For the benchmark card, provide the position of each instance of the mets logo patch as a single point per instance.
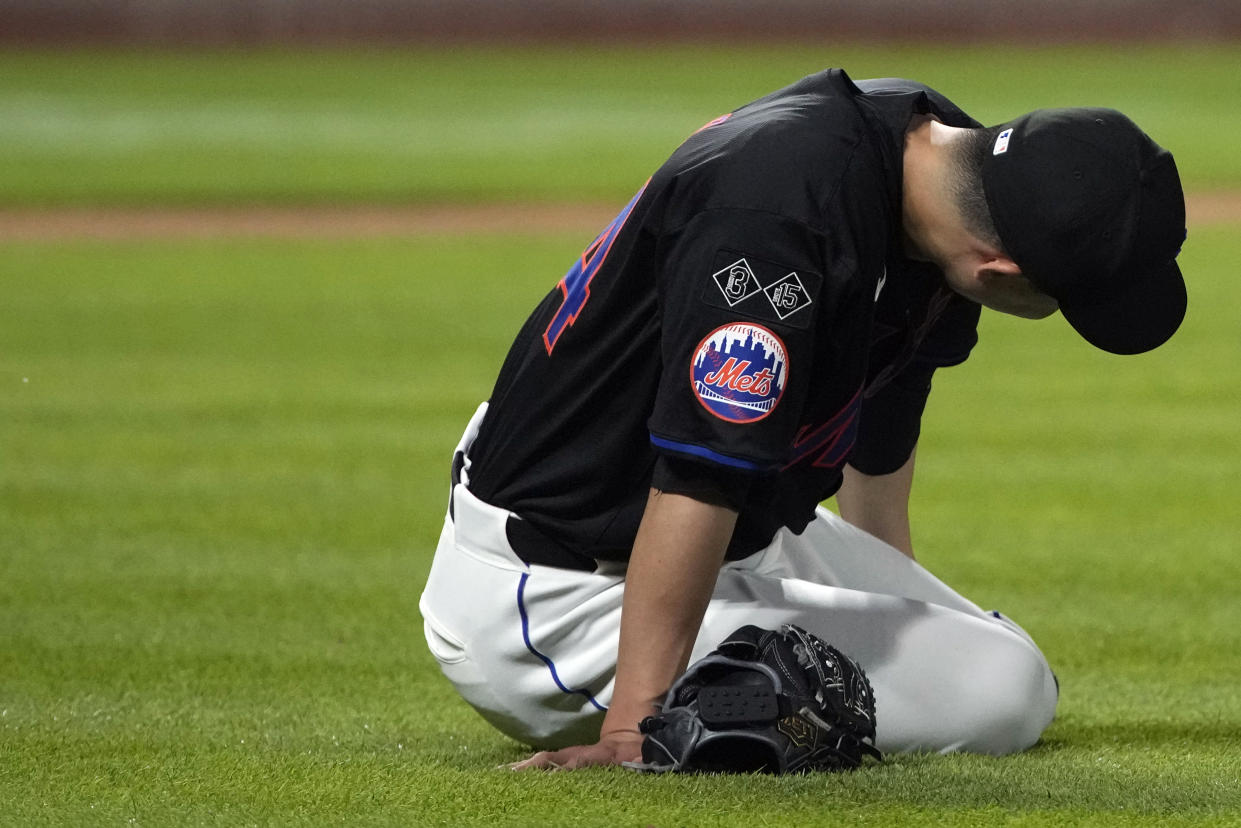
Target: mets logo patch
(739, 372)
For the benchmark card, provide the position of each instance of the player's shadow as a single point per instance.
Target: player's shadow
(1219, 733)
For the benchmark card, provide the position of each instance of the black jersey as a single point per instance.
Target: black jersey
(746, 325)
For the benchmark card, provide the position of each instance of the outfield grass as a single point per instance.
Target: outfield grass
(222, 472)
(426, 125)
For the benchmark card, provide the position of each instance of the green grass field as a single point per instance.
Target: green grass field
(222, 462)
(465, 124)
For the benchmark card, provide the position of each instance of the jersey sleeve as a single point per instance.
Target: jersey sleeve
(740, 297)
(953, 334)
(706, 482)
(891, 421)
(891, 415)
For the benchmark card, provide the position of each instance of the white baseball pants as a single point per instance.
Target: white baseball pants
(533, 648)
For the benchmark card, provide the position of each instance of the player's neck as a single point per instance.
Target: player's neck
(932, 228)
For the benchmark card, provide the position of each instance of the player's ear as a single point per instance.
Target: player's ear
(995, 267)
(1005, 288)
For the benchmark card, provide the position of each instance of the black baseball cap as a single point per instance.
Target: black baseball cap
(1092, 211)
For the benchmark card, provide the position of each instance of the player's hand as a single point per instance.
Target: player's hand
(611, 749)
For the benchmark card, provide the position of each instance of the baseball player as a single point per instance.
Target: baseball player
(755, 332)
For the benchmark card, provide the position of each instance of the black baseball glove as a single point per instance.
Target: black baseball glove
(764, 700)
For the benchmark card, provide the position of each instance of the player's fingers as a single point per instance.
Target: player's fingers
(591, 756)
(571, 758)
(580, 760)
(543, 759)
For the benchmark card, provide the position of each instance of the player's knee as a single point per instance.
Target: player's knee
(1014, 702)
(526, 722)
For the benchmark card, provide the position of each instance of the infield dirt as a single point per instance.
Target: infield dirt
(119, 223)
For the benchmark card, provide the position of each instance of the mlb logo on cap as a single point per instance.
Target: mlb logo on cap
(1001, 142)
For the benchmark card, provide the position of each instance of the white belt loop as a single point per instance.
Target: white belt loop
(467, 439)
(481, 531)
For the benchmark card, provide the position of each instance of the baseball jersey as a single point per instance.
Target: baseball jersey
(745, 325)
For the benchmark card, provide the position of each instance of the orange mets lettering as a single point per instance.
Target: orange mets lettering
(733, 376)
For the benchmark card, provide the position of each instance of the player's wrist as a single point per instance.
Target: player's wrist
(623, 744)
(621, 734)
(622, 720)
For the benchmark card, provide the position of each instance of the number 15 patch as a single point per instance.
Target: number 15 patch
(762, 289)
